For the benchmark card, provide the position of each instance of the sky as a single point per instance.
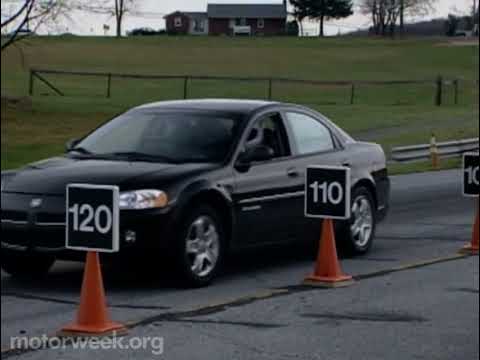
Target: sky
(151, 12)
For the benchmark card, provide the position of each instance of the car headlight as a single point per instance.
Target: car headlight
(143, 199)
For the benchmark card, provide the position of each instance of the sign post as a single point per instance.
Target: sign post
(93, 226)
(471, 189)
(328, 197)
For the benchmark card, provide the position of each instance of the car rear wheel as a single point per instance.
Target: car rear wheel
(26, 266)
(201, 248)
(358, 234)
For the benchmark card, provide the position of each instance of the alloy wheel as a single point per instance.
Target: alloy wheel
(203, 246)
(363, 222)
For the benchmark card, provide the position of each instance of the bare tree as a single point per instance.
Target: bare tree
(385, 14)
(300, 15)
(402, 16)
(29, 15)
(475, 15)
(118, 9)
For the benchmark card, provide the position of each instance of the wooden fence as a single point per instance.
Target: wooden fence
(438, 84)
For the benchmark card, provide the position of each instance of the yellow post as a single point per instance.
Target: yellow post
(434, 153)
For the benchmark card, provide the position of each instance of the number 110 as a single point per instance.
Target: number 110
(330, 193)
(472, 174)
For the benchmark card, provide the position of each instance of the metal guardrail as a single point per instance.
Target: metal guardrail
(445, 149)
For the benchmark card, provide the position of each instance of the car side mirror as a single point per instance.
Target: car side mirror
(71, 144)
(257, 153)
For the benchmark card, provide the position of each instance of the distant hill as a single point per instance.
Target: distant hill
(435, 27)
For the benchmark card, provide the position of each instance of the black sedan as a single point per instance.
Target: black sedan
(198, 180)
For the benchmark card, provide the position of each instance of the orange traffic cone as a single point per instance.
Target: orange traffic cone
(92, 317)
(473, 248)
(327, 270)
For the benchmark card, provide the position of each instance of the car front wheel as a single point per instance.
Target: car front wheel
(201, 247)
(358, 234)
(26, 266)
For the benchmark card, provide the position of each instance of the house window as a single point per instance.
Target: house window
(198, 25)
(261, 23)
(241, 22)
(178, 21)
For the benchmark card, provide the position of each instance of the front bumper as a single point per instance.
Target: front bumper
(43, 230)
(383, 187)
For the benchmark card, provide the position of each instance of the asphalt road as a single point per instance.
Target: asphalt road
(258, 311)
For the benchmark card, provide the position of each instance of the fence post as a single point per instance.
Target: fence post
(456, 88)
(185, 88)
(439, 94)
(109, 86)
(32, 80)
(270, 89)
(352, 95)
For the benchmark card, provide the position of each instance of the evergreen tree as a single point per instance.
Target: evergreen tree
(323, 10)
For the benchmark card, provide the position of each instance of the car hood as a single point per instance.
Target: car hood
(51, 177)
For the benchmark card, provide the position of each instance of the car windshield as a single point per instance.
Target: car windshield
(163, 137)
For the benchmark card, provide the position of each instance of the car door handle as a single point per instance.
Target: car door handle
(293, 173)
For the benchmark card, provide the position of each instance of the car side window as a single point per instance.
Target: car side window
(310, 135)
(270, 131)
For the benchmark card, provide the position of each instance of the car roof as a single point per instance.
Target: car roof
(220, 105)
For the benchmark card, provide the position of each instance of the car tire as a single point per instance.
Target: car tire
(357, 235)
(201, 247)
(26, 266)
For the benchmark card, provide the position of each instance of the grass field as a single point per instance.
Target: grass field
(398, 115)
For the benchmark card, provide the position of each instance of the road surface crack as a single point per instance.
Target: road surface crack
(369, 317)
(71, 302)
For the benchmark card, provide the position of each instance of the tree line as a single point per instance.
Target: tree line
(387, 16)
(30, 15)
(455, 24)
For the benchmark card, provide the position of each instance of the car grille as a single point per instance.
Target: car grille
(40, 219)
(14, 216)
(15, 238)
(27, 226)
(50, 219)
(44, 238)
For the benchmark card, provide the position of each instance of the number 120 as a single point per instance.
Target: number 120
(92, 218)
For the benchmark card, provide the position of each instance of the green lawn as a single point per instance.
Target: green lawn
(424, 166)
(390, 115)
